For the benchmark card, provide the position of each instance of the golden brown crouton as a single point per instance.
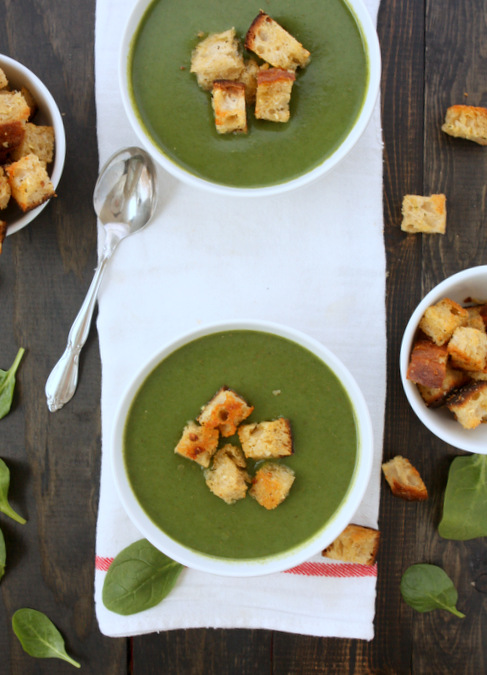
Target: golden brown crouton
(356, 544)
(273, 94)
(469, 404)
(225, 411)
(436, 396)
(427, 364)
(4, 189)
(424, 214)
(3, 79)
(3, 233)
(404, 479)
(440, 320)
(475, 317)
(217, 57)
(249, 77)
(468, 348)
(29, 182)
(228, 478)
(38, 140)
(466, 121)
(271, 484)
(228, 101)
(274, 44)
(198, 443)
(264, 440)
(30, 100)
(14, 112)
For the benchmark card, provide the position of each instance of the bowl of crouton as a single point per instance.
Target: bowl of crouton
(443, 360)
(33, 146)
(244, 102)
(242, 448)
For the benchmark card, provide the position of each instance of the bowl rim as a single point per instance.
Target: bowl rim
(439, 421)
(278, 562)
(49, 109)
(372, 47)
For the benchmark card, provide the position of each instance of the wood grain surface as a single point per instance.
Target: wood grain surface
(434, 55)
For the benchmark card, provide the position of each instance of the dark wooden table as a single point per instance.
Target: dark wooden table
(434, 54)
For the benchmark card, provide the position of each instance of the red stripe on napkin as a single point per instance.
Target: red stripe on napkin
(102, 564)
(319, 569)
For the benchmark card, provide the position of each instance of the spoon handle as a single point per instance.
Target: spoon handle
(61, 383)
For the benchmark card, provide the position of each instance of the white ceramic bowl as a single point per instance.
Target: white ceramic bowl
(471, 283)
(282, 561)
(48, 113)
(370, 39)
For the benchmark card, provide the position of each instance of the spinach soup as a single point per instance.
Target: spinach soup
(279, 378)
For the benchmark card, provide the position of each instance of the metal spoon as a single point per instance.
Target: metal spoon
(124, 198)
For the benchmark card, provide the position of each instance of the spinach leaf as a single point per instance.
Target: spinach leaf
(3, 555)
(465, 504)
(7, 384)
(427, 587)
(4, 485)
(139, 578)
(39, 637)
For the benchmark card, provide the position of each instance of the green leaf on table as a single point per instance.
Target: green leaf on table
(465, 504)
(427, 587)
(3, 554)
(139, 578)
(39, 637)
(7, 384)
(4, 486)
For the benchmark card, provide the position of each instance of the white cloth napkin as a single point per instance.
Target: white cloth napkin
(312, 259)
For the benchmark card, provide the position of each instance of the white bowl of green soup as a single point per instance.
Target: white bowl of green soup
(281, 374)
(332, 98)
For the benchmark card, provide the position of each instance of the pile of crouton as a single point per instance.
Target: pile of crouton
(235, 82)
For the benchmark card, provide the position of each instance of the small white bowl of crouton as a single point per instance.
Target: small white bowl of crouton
(443, 360)
(33, 146)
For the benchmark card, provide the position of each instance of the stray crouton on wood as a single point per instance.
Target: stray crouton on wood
(466, 121)
(404, 479)
(424, 214)
(356, 544)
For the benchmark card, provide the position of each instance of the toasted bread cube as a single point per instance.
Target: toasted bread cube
(14, 112)
(436, 396)
(475, 317)
(249, 78)
(4, 189)
(3, 79)
(271, 484)
(265, 440)
(466, 121)
(3, 233)
(225, 411)
(228, 101)
(404, 479)
(38, 140)
(441, 319)
(29, 182)
(468, 348)
(217, 57)
(30, 100)
(228, 478)
(274, 44)
(469, 404)
(198, 443)
(424, 214)
(274, 87)
(427, 363)
(356, 544)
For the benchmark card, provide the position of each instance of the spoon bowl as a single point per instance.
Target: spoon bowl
(124, 200)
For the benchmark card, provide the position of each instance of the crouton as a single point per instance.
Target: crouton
(427, 363)
(38, 140)
(217, 57)
(441, 319)
(436, 396)
(266, 440)
(356, 544)
(404, 480)
(249, 77)
(466, 121)
(269, 40)
(29, 182)
(225, 411)
(273, 94)
(30, 100)
(424, 214)
(228, 478)
(468, 348)
(228, 101)
(3, 233)
(469, 404)
(475, 317)
(3, 79)
(271, 484)
(14, 113)
(198, 443)
(4, 189)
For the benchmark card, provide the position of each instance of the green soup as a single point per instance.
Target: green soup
(326, 100)
(277, 377)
